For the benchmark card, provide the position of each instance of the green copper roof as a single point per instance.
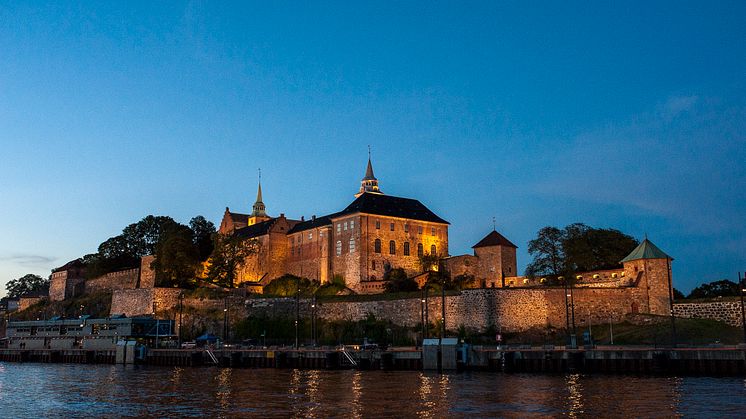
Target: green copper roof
(646, 250)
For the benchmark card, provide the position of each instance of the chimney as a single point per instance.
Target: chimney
(282, 215)
(313, 217)
(302, 218)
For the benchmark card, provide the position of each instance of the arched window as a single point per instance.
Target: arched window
(339, 247)
(377, 246)
(433, 250)
(420, 251)
(352, 244)
(406, 248)
(392, 247)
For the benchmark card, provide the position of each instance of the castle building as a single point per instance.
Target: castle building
(373, 234)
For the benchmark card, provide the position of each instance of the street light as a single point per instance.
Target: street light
(742, 287)
(313, 321)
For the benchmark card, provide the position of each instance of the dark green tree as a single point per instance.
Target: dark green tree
(227, 256)
(547, 251)
(589, 249)
(722, 288)
(398, 281)
(26, 284)
(176, 258)
(577, 248)
(288, 286)
(203, 232)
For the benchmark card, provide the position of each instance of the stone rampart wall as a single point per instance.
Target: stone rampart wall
(724, 311)
(510, 309)
(120, 280)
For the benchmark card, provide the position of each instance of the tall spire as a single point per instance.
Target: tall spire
(369, 182)
(258, 208)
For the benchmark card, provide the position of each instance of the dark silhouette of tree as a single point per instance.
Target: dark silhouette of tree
(176, 258)
(227, 256)
(722, 288)
(577, 248)
(203, 232)
(548, 252)
(27, 284)
(398, 281)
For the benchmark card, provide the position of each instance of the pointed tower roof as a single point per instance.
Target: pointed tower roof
(258, 208)
(494, 239)
(369, 172)
(646, 250)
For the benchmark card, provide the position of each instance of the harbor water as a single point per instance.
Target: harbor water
(73, 390)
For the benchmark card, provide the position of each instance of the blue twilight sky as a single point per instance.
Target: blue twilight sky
(630, 115)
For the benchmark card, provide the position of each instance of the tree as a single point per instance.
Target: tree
(722, 288)
(227, 256)
(590, 249)
(577, 248)
(429, 262)
(26, 284)
(547, 251)
(678, 295)
(176, 258)
(288, 286)
(125, 250)
(398, 281)
(203, 232)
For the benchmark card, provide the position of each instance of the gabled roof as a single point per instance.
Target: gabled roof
(646, 250)
(256, 230)
(312, 223)
(494, 239)
(391, 206)
(241, 218)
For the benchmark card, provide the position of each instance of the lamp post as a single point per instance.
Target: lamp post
(573, 338)
(742, 287)
(422, 312)
(670, 301)
(313, 321)
(427, 320)
(567, 311)
(297, 311)
(225, 320)
(443, 308)
(181, 310)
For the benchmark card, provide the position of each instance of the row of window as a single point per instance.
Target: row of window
(392, 226)
(392, 248)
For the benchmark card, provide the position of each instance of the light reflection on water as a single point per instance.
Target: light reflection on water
(67, 390)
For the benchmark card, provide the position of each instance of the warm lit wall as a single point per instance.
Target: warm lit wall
(369, 270)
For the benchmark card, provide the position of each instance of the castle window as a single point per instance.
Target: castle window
(406, 248)
(352, 224)
(292, 250)
(392, 226)
(339, 247)
(339, 228)
(420, 251)
(432, 231)
(310, 236)
(433, 250)
(392, 247)
(377, 246)
(373, 265)
(345, 225)
(352, 244)
(406, 228)
(419, 229)
(378, 225)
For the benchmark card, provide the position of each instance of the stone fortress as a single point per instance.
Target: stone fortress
(378, 232)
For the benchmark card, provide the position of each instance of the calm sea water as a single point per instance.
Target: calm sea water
(68, 390)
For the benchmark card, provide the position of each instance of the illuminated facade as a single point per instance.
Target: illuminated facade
(372, 235)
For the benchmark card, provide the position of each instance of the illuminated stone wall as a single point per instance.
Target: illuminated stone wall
(724, 311)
